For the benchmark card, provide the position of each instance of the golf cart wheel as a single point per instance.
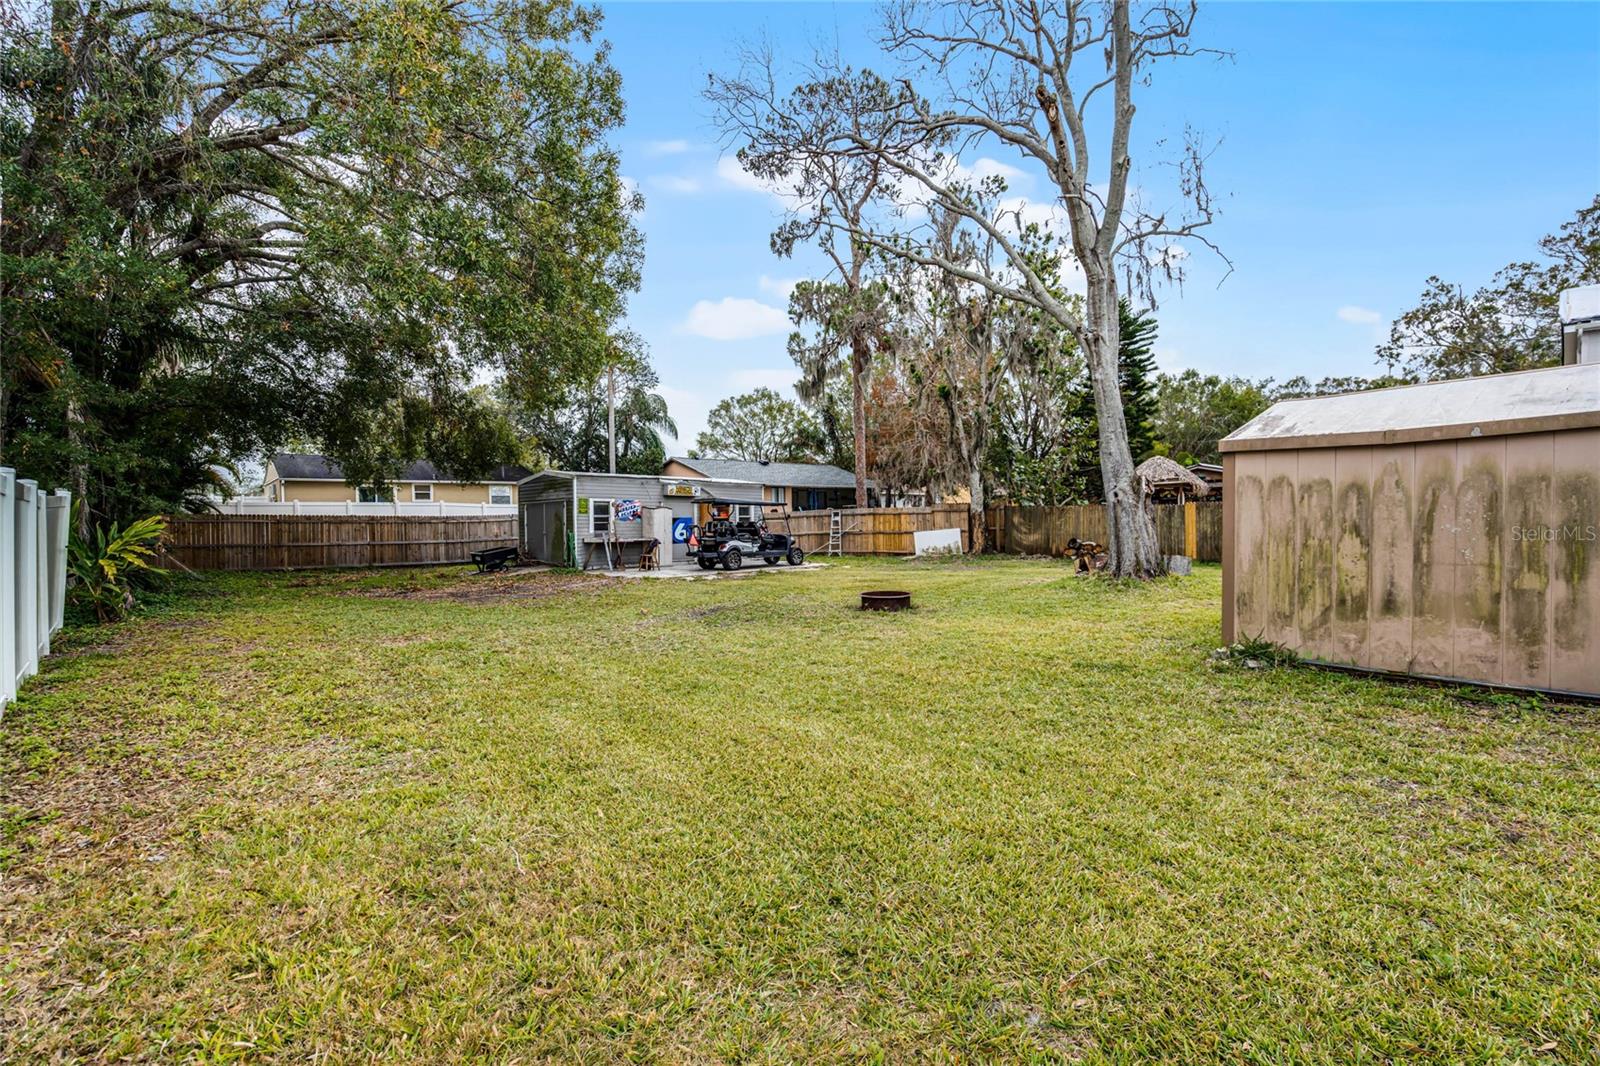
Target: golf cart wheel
(705, 563)
(733, 559)
(770, 560)
(796, 556)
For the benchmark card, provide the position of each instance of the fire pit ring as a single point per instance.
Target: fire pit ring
(883, 600)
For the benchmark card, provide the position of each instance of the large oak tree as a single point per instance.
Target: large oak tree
(232, 222)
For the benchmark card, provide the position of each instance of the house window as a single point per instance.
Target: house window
(500, 494)
(745, 512)
(599, 516)
(779, 494)
(422, 493)
(371, 494)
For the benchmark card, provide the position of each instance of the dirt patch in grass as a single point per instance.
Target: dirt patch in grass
(493, 588)
(104, 812)
(138, 630)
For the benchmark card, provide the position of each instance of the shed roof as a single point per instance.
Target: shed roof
(792, 475)
(302, 466)
(1529, 401)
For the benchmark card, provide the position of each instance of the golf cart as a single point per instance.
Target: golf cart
(729, 541)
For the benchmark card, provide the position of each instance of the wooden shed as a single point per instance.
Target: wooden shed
(1448, 530)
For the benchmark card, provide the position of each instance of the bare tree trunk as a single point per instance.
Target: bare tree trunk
(79, 472)
(975, 504)
(1135, 551)
(860, 364)
(611, 419)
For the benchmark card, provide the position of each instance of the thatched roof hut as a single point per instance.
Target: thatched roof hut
(1163, 475)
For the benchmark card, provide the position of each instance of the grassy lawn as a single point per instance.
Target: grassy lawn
(427, 816)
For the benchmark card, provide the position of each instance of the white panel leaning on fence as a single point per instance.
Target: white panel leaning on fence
(33, 576)
(936, 542)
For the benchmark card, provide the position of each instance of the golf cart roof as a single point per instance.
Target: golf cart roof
(736, 501)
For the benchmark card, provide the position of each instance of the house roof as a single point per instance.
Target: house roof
(793, 475)
(297, 466)
(1529, 401)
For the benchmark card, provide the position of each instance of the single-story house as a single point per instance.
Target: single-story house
(292, 477)
(570, 518)
(799, 486)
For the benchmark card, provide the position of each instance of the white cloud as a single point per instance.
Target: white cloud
(690, 410)
(733, 174)
(1361, 316)
(734, 318)
(1019, 212)
(675, 183)
(1049, 215)
(672, 147)
(987, 167)
(731, 171)
(779, 287)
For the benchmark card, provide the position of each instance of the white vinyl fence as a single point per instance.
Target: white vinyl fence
(440, 509)
(33, 576)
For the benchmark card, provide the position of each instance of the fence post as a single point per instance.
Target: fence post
(60, 526)
(27, 579)
(41, 597)
(1191, 534)
(349, 508)
(8, 586)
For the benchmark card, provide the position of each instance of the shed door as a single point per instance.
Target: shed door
(556, 526)
(547, 531)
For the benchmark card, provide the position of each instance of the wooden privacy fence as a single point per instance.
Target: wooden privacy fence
(33, 576)
(295, 542)
(878, 530)
(1192, 529)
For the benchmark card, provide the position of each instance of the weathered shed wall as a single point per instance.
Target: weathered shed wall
(1476, 559)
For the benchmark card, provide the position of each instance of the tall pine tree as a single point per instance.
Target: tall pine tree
(1136, 372)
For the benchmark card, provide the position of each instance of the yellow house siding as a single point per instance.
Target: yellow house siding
(338, 491)
(673, 468)
(315, 491)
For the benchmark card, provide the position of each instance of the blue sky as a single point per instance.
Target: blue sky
(1361, 148)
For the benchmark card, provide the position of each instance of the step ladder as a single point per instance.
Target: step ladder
(835, 533)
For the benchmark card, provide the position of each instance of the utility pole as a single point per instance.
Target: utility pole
(611, 416)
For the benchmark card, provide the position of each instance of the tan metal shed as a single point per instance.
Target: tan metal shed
(1447, 530)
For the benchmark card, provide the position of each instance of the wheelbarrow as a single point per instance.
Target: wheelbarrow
(493, 560)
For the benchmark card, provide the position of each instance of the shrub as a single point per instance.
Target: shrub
(109, 567)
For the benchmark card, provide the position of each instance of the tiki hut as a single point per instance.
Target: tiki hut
(1168, 480)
